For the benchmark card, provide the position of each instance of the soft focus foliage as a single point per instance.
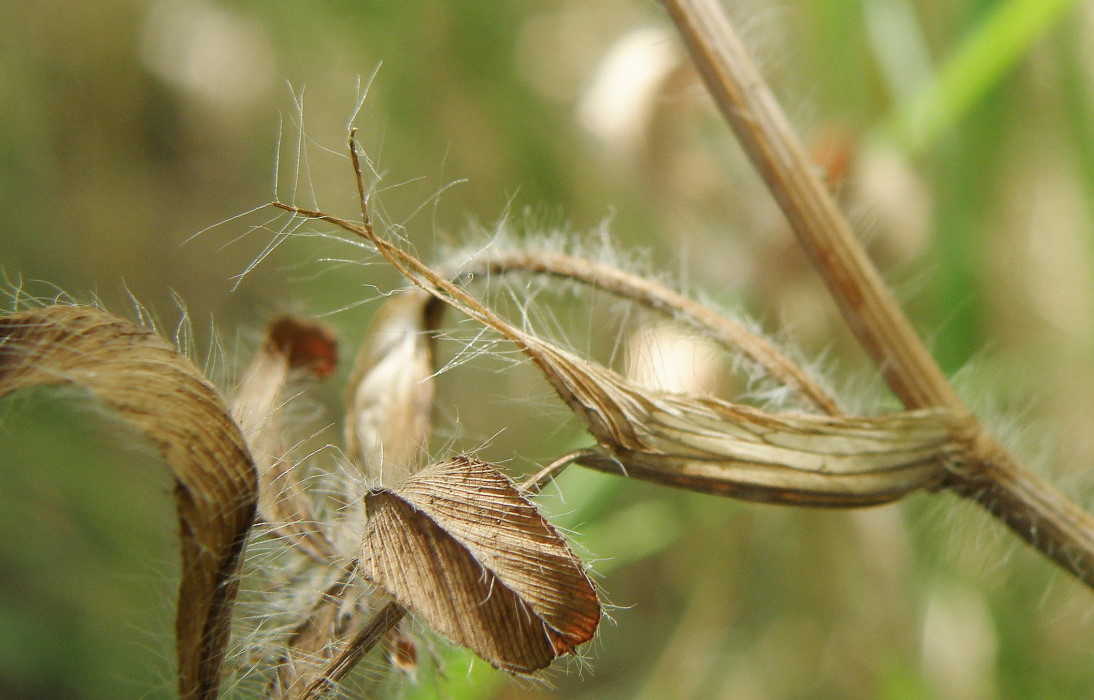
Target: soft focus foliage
(130, 126)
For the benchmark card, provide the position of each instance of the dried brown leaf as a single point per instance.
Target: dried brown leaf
(390, 394)
(148, 384)
(460, 546)
(292, 344)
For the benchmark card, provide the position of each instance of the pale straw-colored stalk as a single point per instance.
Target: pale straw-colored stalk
(1028, 505)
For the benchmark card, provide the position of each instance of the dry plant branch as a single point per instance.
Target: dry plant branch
(703, 443)
(1029, 506)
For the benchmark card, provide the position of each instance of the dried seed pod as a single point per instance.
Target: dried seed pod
(147, 383)
(460, 546)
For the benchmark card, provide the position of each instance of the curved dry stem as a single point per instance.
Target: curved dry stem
(535, 483)
(730, 335)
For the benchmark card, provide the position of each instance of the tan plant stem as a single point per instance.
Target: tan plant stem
(794, 180)
(1027, 505)
(535, 483)
(382, 622)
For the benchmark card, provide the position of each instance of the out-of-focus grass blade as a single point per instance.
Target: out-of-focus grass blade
(991, 48)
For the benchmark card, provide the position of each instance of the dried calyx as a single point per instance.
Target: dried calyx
(455, 543)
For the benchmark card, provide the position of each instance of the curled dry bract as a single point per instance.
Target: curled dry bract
(292, 344)
(148, 384)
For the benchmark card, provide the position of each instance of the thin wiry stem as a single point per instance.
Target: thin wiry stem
(536, 482)
(1030, 507)
(382, 622)
(730, 335)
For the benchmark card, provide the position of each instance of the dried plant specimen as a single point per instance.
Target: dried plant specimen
(438, 528)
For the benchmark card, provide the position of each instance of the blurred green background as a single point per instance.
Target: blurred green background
(959, 136)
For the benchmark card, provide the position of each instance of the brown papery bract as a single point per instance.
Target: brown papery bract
(460, 546)
(291, 344)
(147, 383)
